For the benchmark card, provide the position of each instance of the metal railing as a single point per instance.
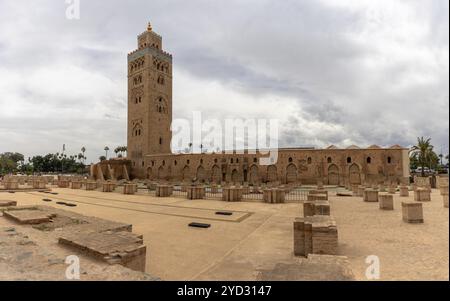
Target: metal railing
(292, 194)
(178, 192)
(252, 193)
(214, 193)
(296, 195)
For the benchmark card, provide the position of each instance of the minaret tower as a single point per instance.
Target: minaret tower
(149, 100)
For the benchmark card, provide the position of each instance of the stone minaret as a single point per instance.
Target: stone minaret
(149, 100)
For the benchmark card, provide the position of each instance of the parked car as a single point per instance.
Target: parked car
(419, 170)
(427, 171)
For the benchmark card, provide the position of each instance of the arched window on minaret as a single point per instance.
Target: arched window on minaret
(161, 105)
(137, 130)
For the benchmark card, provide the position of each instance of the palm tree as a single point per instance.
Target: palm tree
(201, 148)
(422, 151)
(117, 150)
(190, 147)
(83, 150)
(102, 158)
(106, 151)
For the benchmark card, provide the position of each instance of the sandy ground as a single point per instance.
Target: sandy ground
(259, 236)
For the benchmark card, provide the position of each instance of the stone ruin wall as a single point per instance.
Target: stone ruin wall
(305, 166)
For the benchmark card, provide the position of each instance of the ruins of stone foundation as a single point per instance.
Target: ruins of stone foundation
(307, 177)
(102, 241)
(316, 232)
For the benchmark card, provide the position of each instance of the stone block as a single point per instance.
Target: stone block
(422, 181)
(195, 192)
(11, 185)
(274, 195)
(315, 235)
(443, 189)
(422, 195)
(404, 191)
(299, 237)
(63, 184)
(442, 181)
(129, 188)
(412, 212)
(91, 185)
(308, 209)
(231, 194)
(108, 187)
(163, 190)
(324, 238)
(38, 184)
(76, 184)
(445, 199)
(370, 195)
(386, 201)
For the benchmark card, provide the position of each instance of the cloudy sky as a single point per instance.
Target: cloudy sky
(332, 71)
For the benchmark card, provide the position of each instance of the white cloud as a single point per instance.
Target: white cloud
(334, 72)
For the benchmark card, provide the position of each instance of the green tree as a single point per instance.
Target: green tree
(54, 163)
(10, 162)
(423, 154)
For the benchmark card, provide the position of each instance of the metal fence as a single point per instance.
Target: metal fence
(214, 193)
(296, 195)
(178, 192)
(252, 193)
(249, 193)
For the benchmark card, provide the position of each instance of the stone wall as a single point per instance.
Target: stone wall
(305, 166)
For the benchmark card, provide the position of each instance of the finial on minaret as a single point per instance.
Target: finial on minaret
(149, 27)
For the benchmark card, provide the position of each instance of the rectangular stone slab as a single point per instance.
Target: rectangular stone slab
(123, 248)
(29, 216)
(7, 203)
